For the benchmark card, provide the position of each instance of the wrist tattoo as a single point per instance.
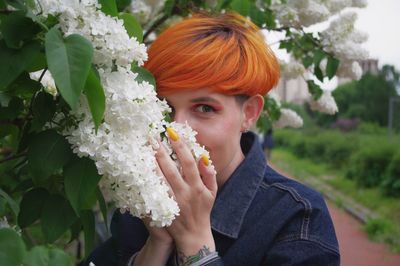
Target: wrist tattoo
(188, 260)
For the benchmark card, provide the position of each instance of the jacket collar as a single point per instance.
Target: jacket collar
(235, 197)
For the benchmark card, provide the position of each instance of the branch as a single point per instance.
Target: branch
(155, 25)
(16, 156)
(5, 11)
(5, 151)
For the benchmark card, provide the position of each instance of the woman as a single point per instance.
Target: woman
(213, 71)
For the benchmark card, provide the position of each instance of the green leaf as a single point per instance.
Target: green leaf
(38, 255)
(75, 230)
(31, 206)
(43, 110)
(59, 257)
(12, 248)
(13, 205)
(8, 129)
(69, 61)
(103, 206)
(38, 63)
(13, 110)
(318, 56)
(169, 7)
(332, 66)
(132, 26)
(222, 4)
(123, 4)
(109, 7)
(17, 4)
(57, 216)
(95, 95)
(314, 89)
(144, 75)
(47, 152)
(23, 87)
(270, 19)
(307, 61)
(17, 29)
(81, 178)
(318, 73)
(43, 256)
(20, 60)
(256, 15)
(88, 223)
(241, 6)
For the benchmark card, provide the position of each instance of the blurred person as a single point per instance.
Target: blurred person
(268, 143)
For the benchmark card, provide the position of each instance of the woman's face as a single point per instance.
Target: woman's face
(218, 120)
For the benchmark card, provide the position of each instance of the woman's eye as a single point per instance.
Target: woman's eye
(204, 108)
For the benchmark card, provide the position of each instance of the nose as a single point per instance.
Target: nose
(180, 116)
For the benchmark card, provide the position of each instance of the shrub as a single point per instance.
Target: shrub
(391, 182)
(316, 147)
(298, 145)
(340, 149)
(369, 165)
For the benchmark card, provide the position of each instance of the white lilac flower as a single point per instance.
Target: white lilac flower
(325, 104)
(314, 13)
(359, 3)
(144, 10)
(288, 118)
(47, 81)
(107, 34)
(300, 12)
(189, 136)
(123, 149)
(292, 70)
(123, 145)
(4, 223)
(335, 6)
(344, 41)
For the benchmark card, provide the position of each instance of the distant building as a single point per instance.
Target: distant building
(293, 90)
(369, 66)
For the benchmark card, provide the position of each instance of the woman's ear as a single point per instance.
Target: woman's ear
(252, 109)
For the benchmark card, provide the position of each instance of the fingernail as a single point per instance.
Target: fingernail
(172, 134)
(205, 159)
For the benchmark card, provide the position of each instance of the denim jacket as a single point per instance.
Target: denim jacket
(259, 218)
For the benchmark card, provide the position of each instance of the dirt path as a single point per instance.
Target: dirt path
(355, 247)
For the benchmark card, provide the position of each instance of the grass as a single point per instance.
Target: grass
(383, 224)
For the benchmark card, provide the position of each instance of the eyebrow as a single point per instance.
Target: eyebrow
(204, 99)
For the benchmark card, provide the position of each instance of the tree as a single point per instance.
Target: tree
(368, 98)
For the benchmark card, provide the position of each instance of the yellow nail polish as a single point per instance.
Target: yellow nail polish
(205, 159)
(172, 134)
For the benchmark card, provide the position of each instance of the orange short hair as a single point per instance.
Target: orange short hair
(225, 53)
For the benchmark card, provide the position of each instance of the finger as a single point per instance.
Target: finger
(169, 169)
(208, 174)
(185, 157)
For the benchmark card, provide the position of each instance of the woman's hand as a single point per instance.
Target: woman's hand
(195, 189)
(159, 244)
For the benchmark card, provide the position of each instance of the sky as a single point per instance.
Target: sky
(381, 20)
